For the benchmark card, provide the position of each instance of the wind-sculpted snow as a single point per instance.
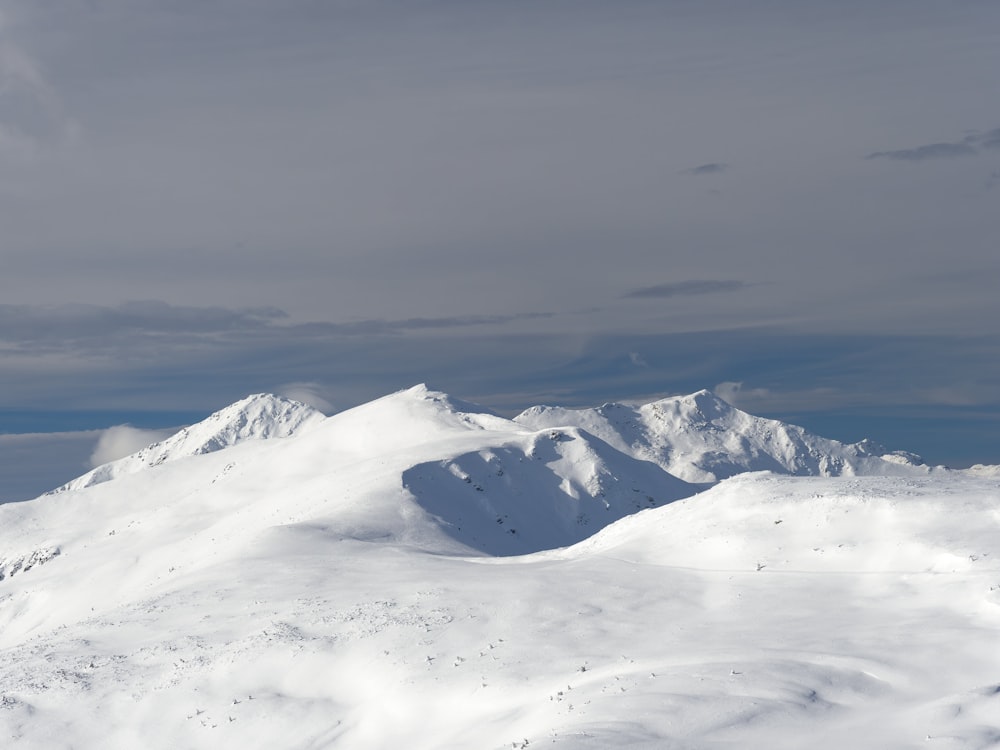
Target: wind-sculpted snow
(257, 417)
(350, 587)
(701, 438)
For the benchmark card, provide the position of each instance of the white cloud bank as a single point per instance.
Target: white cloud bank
(122, 440)
(315, 395)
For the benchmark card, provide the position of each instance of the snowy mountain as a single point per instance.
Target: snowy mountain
(256, 417)
(701, 438)
(420, 572)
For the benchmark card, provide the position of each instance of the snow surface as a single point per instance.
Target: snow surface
(701, 438)
(361, 584)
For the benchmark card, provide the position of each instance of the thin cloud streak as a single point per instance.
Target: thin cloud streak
(968, 146)
(924, 153)
(990, 139)
(692, 288)
(703, 169)
(376, 327)
(67, 327)
(31, 113)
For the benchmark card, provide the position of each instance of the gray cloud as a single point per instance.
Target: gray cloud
(392, 157)
(990, 139)
(684, 289)
(924, 153)
(712, 168)
(968, 146)
(48, 327)
(389, 327)
(163, 327)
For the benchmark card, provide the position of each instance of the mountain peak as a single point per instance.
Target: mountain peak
(703, 393)
(423, 392)
(698, 407)
(259, 416)
(702, 438)
(706, 399)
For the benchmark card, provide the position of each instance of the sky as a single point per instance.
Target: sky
(568, 202)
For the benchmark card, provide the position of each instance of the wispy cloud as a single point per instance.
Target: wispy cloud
(47, 327)
(315, 394)
(377, 326)
(732, 392)
(703, 169)
(692, 288)
(55, 327)
(968, 146)
(924, 153)
(123, 440)
(31, 113)
(758, 400)
(990, 139)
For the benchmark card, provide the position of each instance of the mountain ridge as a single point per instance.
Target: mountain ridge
(701, 438)
(698, 437)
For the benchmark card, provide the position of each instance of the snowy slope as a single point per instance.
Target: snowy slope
(871, 624)
(256, 417)
(701, 438)
(911, 525)
(353, 586)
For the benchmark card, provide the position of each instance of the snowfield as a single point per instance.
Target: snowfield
(419, 572)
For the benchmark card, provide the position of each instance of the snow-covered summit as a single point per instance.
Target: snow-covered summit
(448, 407)
(257, 417)
(701, 438)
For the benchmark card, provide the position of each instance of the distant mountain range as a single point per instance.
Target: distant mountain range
(548, 478)
(698, 438)
(421, 572)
